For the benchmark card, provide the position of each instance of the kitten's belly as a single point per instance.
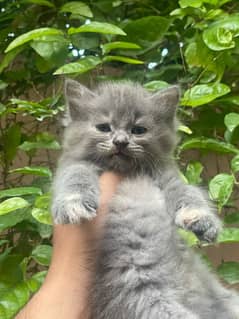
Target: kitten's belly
(134, 264)
(142, 261)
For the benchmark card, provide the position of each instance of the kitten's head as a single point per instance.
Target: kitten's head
(121, 126)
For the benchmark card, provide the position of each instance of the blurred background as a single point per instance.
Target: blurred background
(158, 43)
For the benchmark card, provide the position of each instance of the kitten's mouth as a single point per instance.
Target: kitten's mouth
(120, 153)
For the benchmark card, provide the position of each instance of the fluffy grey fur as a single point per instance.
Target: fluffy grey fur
(144, 270)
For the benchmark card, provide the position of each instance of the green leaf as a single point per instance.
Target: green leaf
(229, 137)
(11, 140)
(229, 235)
(15, 298)
(40, 111)
(42, 254)
(77, 8)
(41, 209)
(189, 237)
(43, 201)
(44, 230)
(4, 287)
(3, 241)
(156, 85)
(106, 48)
(51, 48)
(12, 204)
(86, 41)
(109, 58)
(185, 129)
(221, 187)
(4, 258)
(180, 13)
(13, 218)
(43, 141)
(235, 164)
(232, 218)
(20, 191)
(41, 3)
(3, 85)
(98, 27)
(147, 31)
(233, 99)
(231, 121)
(220, 34)
(190, 3)
(2, 108)
(42, 216)
(31, 35)
(10, 271)
(208, 144)
(214, 13)
(222, 2)
(81, 66)
(24, 263)
(197, 54)
(43, 65)
(26, 105)
(193, 173)
(204, 93)
(7, 59)
(229, 271)
(28, 146)
(32, 170)
(36, 280)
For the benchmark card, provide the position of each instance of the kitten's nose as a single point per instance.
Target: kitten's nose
(121, 141)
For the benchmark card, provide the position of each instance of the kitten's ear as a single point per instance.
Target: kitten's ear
(166, 102)
(77, 98)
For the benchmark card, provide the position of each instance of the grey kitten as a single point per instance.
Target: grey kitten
(144, 270)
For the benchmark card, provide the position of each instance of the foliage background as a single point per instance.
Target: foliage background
(193, 43)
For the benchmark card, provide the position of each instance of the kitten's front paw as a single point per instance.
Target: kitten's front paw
(73, 209)
(205, 226)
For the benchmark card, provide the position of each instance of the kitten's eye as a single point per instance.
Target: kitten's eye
(104, 127)
(138, 130)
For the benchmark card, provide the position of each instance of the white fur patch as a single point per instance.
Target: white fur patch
(186, 216)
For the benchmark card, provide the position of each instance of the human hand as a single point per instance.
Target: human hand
(65, 291)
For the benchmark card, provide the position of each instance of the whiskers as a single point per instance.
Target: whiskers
(133, 159)
(104, 147)
(144, 160)
(148, 161)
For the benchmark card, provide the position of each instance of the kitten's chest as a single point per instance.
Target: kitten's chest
(138, 203)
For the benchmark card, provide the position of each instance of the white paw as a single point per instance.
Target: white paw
(187, 216)
(204, 224)
(73, 209)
